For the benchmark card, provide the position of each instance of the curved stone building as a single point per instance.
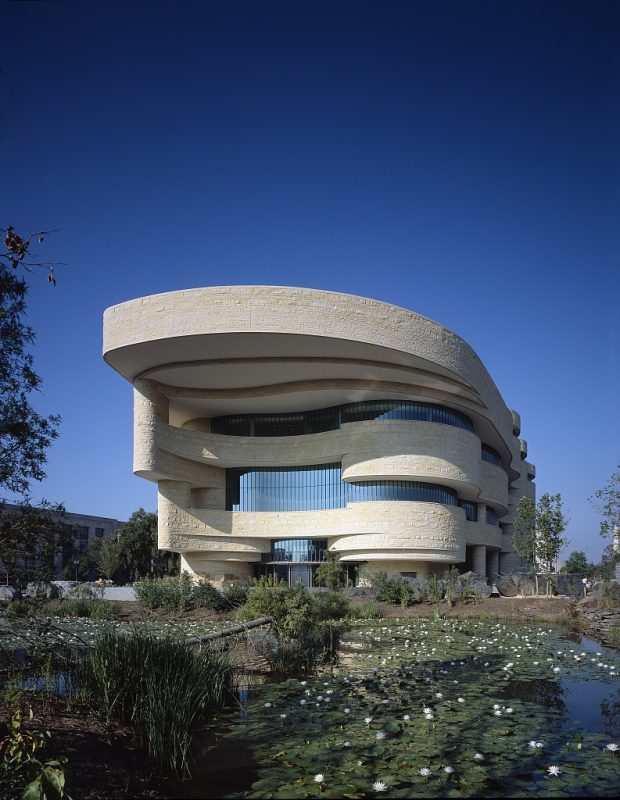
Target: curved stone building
(280, 422)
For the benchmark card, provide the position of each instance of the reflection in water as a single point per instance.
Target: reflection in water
(548, 694)
(594, 705)
(610, 713)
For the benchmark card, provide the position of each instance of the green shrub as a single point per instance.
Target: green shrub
(367, 610)
(610, 597)
(331, 605)
(173, 594)
(19, 608)
(81, 607)
(205, 595)
(233, 596)
(160, 687)
(305, 637)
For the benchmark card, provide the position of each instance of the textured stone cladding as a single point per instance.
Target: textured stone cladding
(189, 463)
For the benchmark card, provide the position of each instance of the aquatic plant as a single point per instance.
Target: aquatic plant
(436, 709)
(160, 686)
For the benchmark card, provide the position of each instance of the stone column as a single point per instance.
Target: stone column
(172, 497)
(479, 559)
(482, 513)
(493, 564)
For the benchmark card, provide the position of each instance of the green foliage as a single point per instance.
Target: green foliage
(25, 435)
(577, 563)
(205, 595)
(606, 568)
(160, 687)
(109, 557)
(550, 524)
(610, 598)
(32, 535)
(537, 532)
(302, 624)
(331, 605)
(330, 573)
(19, 764)
(607, 502)
(91, 608)
(19, 608)
(524, 532)
(232, 596)
(173, 594)
(182, 593)
(367, 610)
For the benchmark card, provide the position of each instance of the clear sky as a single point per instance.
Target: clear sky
(458, 158)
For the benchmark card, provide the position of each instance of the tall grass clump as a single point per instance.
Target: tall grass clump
(162, 688)
(173, 594)
(82, 607)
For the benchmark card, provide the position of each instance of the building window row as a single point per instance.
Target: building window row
(489, 454)
(328, 419)
(297, 550)
(319, 487)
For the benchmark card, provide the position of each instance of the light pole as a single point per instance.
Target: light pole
(76, 564)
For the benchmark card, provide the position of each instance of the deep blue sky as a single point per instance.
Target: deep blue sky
(460, 159)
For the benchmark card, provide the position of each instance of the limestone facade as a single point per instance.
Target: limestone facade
(196, 357)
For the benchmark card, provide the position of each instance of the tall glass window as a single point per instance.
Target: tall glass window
(492, 456)
(318, 487)
(470, 509)
(491, 516)
(329, 419)
(303, 550)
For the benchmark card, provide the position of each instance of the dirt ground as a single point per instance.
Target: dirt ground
(106, 764)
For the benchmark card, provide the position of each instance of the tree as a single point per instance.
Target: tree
(329, 573)
(537, 533)
(524, 532)
(109, 558)
(578, 563)
(606, 568)
(607, 502)
(30, 538)
(25, 435)
(550, 525)
(138, 548)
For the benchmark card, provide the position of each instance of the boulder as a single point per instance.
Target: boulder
(8, 593)
(41, 590)
(480, 586)
(507, 587)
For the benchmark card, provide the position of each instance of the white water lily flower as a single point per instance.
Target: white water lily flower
(429, 716)
(319, 777)
(379, 786)
(461, 699)
(425, 772)
(282, 716)
(439, 695)
(496, 706)
(497, 713)
(448, 770)
(367, 720)
(553, 770)
(406, 717)
(612, 747)
(427, 710)
(380, 735)
(346, 744)
(267, 705)
(479, 757)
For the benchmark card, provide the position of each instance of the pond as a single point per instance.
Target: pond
(419, 708)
